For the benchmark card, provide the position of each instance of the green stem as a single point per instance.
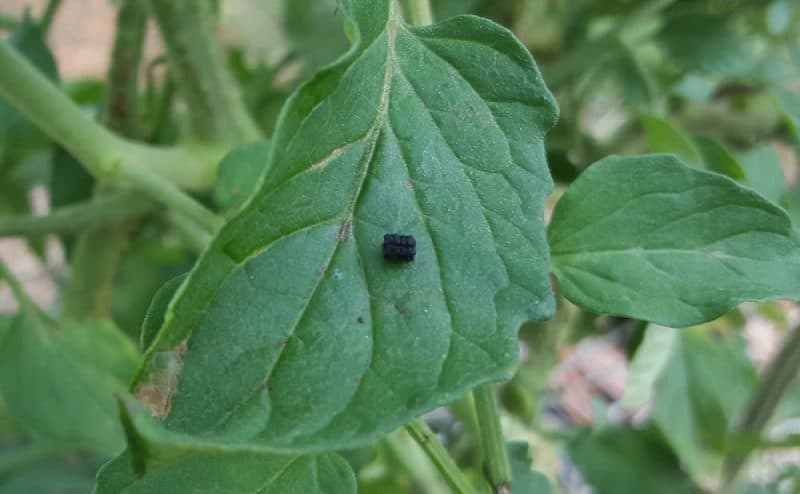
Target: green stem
(102, 152)
(497, 465)
(121, 107)
(399, 457)
(771, 389)
(103, 210)
(97, 254)
(427, 440)
(419, 12)
(98, 251)
(214, 102)
(162, 117)
(197, 238)
(172, 197)
(48, 15)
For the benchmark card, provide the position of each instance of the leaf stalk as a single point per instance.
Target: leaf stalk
(439, 455)
(496, 463)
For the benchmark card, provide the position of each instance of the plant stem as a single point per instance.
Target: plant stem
(427, 440)
(172, 197)
(419, 12)
(121, 108)
(772, 387)
(96, 257)
(98, 251)
(197, 238)
(99, 150)
(48, 15)
(497, 465)
(396, 446)
(103, 210)
(215, 104)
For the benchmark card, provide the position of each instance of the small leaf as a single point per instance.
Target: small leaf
(632, 77)
(69, 182)
(789, 103)
(763, 172)
(154, 317)
(664, 137)
(239, 173)
(314, 30)
(648, 363)
(241, 473)
(59, 383)
(628, 461)
(705, 43)
(525, 479)
(701, 391)
(57, 475)
(292, 332)
(718, 158)
(160, 461)
(647, 237)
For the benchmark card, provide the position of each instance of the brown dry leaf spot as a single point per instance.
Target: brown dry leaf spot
(155, 394)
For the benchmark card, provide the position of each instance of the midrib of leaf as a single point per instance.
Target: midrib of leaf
(630, 202)
(373, 134)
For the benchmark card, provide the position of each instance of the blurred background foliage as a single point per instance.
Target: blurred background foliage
(605, 405)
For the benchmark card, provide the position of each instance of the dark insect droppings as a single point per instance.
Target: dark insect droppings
(398, 247)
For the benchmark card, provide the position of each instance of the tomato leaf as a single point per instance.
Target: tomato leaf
(292, 333)
(701, 391)
(59, 382)
(648, 237)
(238, 175)
(525, 478)
(231, 472)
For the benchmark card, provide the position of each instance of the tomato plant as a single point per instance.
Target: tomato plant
(327, 255)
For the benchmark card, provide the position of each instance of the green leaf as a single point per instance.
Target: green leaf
(665, 137)
(69, 182)
(149, 262)
(160, 461)
(525, 479)
(239, 173)
(718, 158)
(789, 103)
(231, 472)
(292, 332)
(649, 361)
(61, 476)
(705, 43)
(634, 82)
(154, 317)
(701, 391)
(59, 382)
(763, 172)
(649, 238)
(628, 461)
(314, 30)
